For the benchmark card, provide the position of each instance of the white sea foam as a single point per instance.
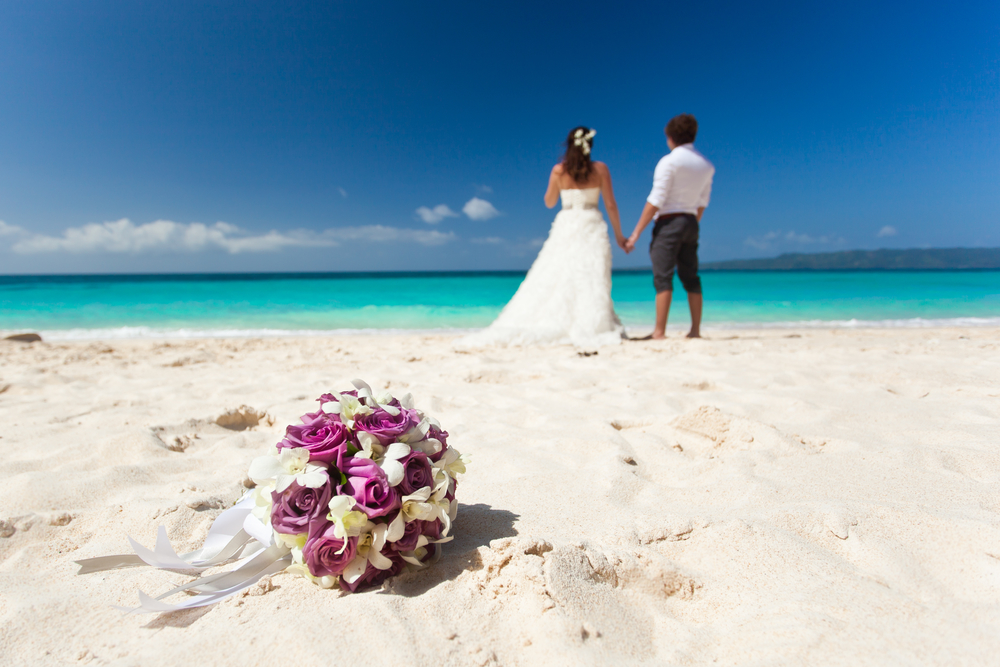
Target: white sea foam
(121, 333)
(910, 323)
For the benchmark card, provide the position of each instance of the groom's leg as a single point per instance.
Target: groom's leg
(662, 311)
(694, 303)
(663, 254)
(687, 271)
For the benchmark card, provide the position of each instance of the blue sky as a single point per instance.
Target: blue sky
(141, 136)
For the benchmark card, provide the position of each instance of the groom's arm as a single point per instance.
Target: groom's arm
(662, 176)
(648, 212)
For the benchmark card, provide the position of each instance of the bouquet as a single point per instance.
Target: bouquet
(361, 490)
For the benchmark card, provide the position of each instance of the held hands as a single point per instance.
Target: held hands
(622, 242)
(629, 245)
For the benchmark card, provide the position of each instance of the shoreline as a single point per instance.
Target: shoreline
(678, 325)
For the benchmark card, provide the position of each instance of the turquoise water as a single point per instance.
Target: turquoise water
(263, 304)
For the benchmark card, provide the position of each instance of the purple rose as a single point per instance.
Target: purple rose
(431, 529)
(320, 551)
(414, 529)
(374, 576)
(387, 428)
(326, 439)
(368, 485)
(408, 542)
(442, 436)
(295, 507)
(417, 473)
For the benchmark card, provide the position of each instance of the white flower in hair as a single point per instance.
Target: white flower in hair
(583, 140)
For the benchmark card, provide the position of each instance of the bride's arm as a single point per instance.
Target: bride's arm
(552, 194)
(609, 202)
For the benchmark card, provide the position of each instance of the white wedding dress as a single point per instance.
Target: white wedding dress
(566, 296)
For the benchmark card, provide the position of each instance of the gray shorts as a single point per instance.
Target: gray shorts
(675, 246)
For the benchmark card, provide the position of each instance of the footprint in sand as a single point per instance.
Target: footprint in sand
(722, 430)
(181, 437)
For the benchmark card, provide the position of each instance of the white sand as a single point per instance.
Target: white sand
(758, 498)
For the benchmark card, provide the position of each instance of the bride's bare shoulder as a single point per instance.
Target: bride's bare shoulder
(600, 167)
(559, 169)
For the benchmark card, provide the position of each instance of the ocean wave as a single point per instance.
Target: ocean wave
(121, 333)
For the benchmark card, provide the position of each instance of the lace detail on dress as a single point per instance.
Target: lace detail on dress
(566, 296)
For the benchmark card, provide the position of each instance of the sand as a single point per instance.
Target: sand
(754, 498)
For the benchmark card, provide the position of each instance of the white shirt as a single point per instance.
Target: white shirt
(682, 181)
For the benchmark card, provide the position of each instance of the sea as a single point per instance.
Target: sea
(91, 307)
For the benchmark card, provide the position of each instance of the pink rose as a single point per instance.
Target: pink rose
(386, 427)
(295, 507)
(321, 550)
(368, 485)
(326, 438)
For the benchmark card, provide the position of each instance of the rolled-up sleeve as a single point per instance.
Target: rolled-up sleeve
(706, 192)
(662, 177)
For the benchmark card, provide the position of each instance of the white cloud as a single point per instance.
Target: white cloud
(489, 240)
(383, 234)
(483, 189)
(432, 216)
(888, 230)
(479, 209)
(6, 229)
(343, 192)
(776, 238)
(123, 236)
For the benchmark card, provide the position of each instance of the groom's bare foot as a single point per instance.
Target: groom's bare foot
(652, 336)
(693, 334)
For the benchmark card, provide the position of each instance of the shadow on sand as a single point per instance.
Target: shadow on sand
(476, 526)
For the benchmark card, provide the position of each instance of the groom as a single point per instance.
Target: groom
(682, 184)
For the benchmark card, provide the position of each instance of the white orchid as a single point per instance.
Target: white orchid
(430, 505)
(417, 438)
(412, 508)
(281, 468)
(261, 495)
(419, 554)
(446, 469)
(381, 400)
(347, 522)
(371, 447)
(370, 544)
(387, 459)
(390, 463)
(348, 407)
(453, 462)
(294, 542)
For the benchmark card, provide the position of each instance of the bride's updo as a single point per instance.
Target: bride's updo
(576, 161)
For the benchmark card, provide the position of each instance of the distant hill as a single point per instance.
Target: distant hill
(914, 258)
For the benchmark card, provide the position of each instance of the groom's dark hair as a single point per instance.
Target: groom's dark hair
(682, 129)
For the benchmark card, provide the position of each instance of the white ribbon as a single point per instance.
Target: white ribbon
(235, 535)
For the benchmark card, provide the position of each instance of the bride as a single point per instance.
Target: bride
(566, 296)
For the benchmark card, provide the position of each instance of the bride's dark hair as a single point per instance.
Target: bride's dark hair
(576, 161)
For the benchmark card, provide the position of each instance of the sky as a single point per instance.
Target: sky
(348, 136)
